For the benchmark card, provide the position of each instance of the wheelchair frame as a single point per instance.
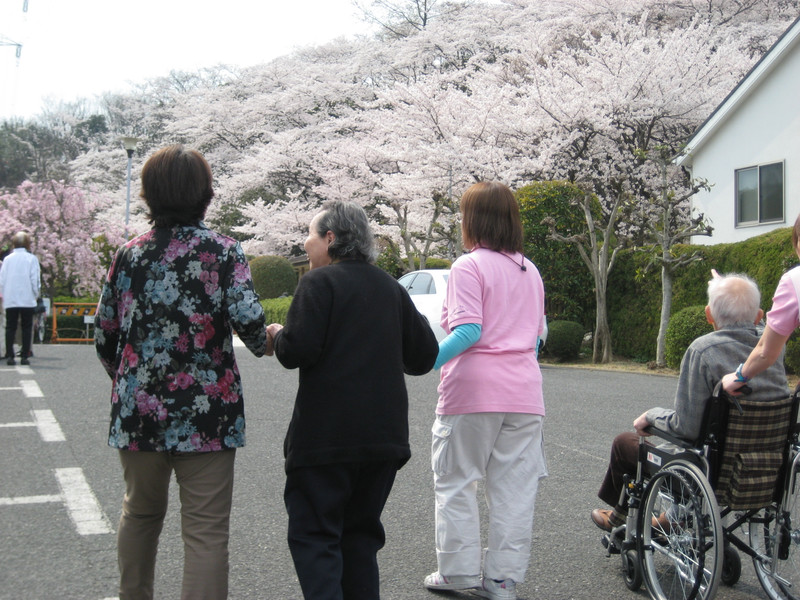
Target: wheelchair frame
(674, 539)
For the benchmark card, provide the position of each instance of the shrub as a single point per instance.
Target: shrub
(564, 339)
(437, 263)
(273, 276)
(634, 303)
(684, 327)
(276, 309)
(568, 284)
(389, 261)
(791, 359)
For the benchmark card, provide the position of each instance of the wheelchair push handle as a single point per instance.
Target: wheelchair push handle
(745, 389)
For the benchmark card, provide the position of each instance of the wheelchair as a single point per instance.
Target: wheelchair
(692, 507)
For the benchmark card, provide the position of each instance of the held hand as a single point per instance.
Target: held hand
(272, 330)
(731, 384)
(640, 424)
(270, 345)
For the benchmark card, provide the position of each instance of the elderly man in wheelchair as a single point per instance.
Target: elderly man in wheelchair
(713, 452)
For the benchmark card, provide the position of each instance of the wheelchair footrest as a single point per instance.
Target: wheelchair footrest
(610, 544)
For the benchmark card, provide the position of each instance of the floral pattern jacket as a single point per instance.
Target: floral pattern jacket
(163, 334)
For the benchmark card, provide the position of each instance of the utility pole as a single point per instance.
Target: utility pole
(4, 41)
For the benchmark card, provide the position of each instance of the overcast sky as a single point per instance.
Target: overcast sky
(81, 48)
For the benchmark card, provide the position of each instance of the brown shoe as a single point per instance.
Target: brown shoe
(606, 519)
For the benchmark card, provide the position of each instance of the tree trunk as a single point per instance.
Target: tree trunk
(666, 309)
(601, 349)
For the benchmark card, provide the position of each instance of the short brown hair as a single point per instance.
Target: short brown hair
(490, 217)
(176, 186)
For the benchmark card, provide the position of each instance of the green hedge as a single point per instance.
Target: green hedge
(276, 309)
(68, 327)
(564, 339)
(634, 304)
(792, 357)
(569, 288)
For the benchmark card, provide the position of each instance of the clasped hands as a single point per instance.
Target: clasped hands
(272, 330)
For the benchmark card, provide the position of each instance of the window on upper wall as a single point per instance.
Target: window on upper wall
(759, 194)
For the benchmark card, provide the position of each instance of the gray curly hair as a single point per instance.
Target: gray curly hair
(350, 225)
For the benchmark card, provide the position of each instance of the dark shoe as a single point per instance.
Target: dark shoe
(11, 361)
(606, 519)
(24, 361)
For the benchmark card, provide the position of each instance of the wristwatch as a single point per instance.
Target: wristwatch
(740, 376)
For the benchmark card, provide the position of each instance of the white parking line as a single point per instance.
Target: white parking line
(6, 389)
(45, 422)
(48, 427)
(29, 500)
(31, 389)
(81, 502)
(78, 498)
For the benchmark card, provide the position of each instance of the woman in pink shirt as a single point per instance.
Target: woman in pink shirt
(490, 410)
(782, 320)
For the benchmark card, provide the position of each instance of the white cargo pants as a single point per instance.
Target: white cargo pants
(507, 451)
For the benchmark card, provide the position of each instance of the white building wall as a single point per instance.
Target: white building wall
(765, 128)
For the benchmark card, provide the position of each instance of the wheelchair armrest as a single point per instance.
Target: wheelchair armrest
(680, 442)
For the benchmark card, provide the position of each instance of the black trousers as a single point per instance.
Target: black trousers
(335, 530)
(26, 316)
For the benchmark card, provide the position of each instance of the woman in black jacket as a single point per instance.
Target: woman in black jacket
(353, 332)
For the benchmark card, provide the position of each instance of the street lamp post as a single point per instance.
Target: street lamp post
(129, 143)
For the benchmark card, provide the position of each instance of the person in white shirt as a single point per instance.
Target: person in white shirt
(19, 287)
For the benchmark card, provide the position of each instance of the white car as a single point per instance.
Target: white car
(427, 289)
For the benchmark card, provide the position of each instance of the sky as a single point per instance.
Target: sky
(82, 48)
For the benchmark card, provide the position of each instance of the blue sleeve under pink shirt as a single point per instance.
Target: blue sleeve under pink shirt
(498, 370)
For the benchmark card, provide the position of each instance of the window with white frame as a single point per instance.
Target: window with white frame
(759, 194)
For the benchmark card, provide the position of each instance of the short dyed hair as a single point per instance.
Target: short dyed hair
(350, 225)
(734, 300)
(490, 217)
(176, 186)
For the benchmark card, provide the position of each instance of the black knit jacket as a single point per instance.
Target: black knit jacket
(353, 332)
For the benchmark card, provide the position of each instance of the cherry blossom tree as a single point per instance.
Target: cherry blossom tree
(517, 91)
(610, 96)
(68, 230)
(675, 225)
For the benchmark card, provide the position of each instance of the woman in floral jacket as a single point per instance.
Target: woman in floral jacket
(163, 333)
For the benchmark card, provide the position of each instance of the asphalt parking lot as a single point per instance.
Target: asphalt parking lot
(46, 555)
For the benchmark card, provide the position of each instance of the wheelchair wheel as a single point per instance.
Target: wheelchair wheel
(40, 325)
(681, 538)
(732, 566)
(775, 533)
(632, 569)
